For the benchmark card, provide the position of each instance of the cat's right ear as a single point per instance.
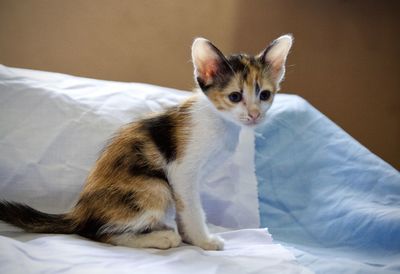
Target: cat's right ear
(210, 66)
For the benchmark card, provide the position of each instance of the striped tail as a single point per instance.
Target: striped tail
(32, 220)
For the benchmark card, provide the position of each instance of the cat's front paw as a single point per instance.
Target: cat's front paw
(213, 242)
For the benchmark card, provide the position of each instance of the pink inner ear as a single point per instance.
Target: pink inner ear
(209, 70)
(276, 65)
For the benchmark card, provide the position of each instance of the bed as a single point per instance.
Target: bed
(330, 204)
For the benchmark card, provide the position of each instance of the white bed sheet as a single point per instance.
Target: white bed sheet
(51, 129)
(247, 251)
(53, 126)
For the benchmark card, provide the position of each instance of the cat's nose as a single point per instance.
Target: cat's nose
(254, 114)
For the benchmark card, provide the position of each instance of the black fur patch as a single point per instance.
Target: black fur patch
(33, 220)
(129, 200)
(140, 166)
(137, 148)
(236, 63)
(257, 89)
(140, 170)
(90, 228)
(203, 85)
(136, 163)
(224, 74)
(146, 230)
(162, 131)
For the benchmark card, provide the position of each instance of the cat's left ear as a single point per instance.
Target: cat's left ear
(274, 57)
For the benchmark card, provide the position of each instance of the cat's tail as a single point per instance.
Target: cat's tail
(32, 220)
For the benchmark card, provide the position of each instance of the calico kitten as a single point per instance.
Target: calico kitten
(154, 163)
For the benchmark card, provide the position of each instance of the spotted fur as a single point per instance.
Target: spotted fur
(153, 164)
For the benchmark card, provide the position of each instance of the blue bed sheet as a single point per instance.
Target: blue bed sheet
(324, 194)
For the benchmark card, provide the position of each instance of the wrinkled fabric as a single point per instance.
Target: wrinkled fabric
(327, 199)
(247, 251)
(52, 127)
(324, 193)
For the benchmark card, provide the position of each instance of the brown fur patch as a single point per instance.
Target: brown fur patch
(129, 177)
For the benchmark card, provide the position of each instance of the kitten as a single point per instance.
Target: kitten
(154, 163)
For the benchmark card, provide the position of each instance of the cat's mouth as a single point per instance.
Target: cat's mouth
(251, 123)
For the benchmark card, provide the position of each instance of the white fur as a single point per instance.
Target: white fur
(145, 220)
(253, 103)
(208, 138)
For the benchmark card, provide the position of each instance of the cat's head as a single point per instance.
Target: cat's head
(240, 86)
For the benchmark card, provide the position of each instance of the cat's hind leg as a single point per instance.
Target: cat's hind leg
(124, 212)
(146, 230)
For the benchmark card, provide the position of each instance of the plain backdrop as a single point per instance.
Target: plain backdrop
(345, 58)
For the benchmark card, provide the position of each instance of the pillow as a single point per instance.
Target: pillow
(53, 126)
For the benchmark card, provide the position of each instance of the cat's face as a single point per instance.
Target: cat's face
(241, 87)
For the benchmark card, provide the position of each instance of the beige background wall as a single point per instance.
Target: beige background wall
(345, 59)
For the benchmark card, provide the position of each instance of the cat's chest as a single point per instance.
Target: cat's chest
(214, 140)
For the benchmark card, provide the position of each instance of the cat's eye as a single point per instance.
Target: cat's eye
(235, 97)
(265, 95)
